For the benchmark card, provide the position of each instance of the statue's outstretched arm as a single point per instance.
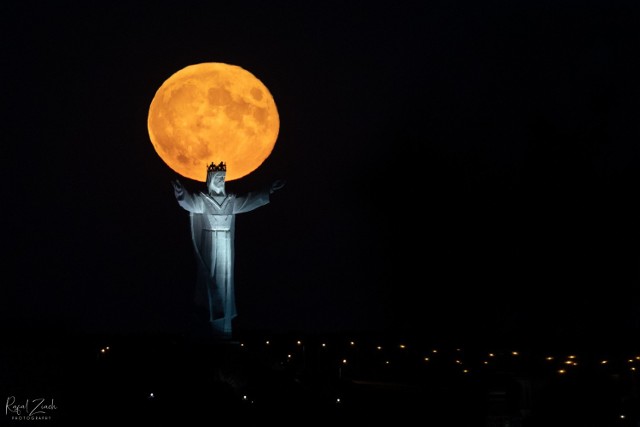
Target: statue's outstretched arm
(276, 185)
(185, 198)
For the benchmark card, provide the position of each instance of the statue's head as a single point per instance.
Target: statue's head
(215, 178)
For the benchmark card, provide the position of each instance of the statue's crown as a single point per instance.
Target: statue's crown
(222, 167)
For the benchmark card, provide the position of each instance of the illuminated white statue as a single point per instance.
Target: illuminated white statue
(212, 217)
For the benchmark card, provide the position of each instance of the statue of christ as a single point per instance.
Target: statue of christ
(212, 218)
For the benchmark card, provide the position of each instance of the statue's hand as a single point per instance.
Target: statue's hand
(178, 189)
(276, 185)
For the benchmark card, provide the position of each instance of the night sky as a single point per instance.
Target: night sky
(453, 168)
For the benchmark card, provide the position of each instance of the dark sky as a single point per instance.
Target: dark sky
(453, 168)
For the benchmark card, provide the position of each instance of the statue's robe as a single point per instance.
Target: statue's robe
(212, 233)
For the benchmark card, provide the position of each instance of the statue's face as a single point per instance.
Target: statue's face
(215, 183)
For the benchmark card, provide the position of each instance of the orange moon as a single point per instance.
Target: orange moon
(213, 112)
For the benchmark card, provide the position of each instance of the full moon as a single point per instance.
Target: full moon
(213, 112)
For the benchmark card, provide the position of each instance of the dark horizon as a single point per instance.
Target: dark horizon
(153, 379)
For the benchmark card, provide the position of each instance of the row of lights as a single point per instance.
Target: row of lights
(570, 361)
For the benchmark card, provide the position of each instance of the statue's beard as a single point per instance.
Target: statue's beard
(214, 190)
